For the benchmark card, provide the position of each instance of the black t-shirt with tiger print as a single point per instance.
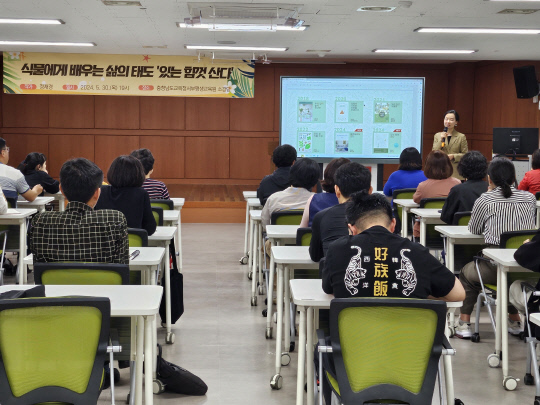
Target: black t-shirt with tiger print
(378, 263)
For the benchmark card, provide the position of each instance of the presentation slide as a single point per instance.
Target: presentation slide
(369, 118)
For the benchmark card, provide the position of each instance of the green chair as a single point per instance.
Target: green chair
(461, 218)
(488, 294)
(286, 217)
(158, 215)
(137, 237)
(303, 236)
(81, 273)
(53, 349)
(538, 195)
(433, 238)
(3, 256)
(384, 350)
(463, 254)
(163, 204)
(403, 194)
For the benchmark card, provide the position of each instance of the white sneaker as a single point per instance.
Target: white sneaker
(514, 327)
(463, 330)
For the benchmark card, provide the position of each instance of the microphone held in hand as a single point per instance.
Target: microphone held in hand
(444, 139)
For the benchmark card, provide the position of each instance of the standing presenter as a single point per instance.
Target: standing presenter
(450, 141)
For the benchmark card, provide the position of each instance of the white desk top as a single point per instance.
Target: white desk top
(253, 202)
(178, 202)
(171, 215)
(407, 203)
(281, 231)
(255, 215)
(457, 231)
(537, 204)
(502, 256)
(39, 201)
(18, 213)
(293, 255)
(163, 233)
(126, 300)
(535, 318)
(427, 212)
(309, 293)
(249, 194)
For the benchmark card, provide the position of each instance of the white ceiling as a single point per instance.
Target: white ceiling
(334, 25)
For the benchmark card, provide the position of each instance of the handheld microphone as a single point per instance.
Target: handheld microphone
(442, 143)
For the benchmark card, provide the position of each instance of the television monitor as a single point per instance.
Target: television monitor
(515, 141)
(368, 118)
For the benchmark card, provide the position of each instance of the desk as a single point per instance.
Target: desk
(19, 217)
(39, 203)
(457, 235)
(309, 297)
(287, 258)
(178, 203)
(406, 205)
(249, 194)
(60, 198)
(505, 263)
(278, 235)
(427, 216)
(255, 257)
(251, 204)
(135, 301)
(162, 237)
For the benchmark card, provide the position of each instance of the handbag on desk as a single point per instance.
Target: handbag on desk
(177, 291)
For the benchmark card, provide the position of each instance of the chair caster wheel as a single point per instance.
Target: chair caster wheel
(268, 333)
(510, 383)
(243, 260)
(253, 301)
(451, 331)
(292, 346)
(127, 399)
(158, 387)
(493, 360)
(276, 382)
(537, 401)
(265, 312)
(163, 325)
(475, 338)
(285, 359)
(522, 335)
(261, 290)
(529, 379)
(458, 401)
(250, 275)
(169, 339)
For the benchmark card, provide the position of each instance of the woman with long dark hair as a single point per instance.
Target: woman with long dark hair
(34, 169)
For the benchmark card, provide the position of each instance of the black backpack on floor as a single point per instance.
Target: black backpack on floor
(177, 379)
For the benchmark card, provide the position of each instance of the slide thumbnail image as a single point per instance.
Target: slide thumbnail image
(312, 111)
(310, 142)
(387, 142)
(349, 111)
(387, 112)
(347, 142)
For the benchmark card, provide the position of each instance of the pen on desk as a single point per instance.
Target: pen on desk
(134, 254)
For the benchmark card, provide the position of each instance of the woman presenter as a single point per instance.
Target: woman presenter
(451, 141)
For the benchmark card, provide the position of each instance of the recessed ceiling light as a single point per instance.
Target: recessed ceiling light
(121, 3)
(29, 21)
(377, 9)
(43, 43)
(420, 51)
(479, 30)
(518, 11)
(235, 48)
(242, 27)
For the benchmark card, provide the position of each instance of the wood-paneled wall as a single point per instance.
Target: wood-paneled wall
(229, 141)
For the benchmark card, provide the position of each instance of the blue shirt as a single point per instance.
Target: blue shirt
(403, 179)
(320, 202)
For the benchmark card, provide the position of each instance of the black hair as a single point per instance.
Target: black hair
(473, 165)
(31, 161)
(126, 171)
(80, 178)
(146, 158)
(328, 182)
(362, 207)
(410, 159)
(452, 112)
(304, 174)
(536, 159)
(284, 156)
(352, 177)
(502, 173)
(2, 143)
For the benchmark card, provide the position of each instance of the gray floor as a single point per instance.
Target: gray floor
(220, 337)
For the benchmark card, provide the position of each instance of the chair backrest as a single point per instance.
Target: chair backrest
(386, 348)
(538, 195)
(11, 202)
(158, 215)
(432, 202)
(53, 349)
(137, 237)
(403, 194)
(461, 218)
(286, 217)
(165, 204)
(303, 236)
(81, 273)
(514, 239)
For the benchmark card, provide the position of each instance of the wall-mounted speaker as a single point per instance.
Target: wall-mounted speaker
(526, 82)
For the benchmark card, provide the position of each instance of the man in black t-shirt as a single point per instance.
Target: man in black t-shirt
(375, 262)
(283, 157)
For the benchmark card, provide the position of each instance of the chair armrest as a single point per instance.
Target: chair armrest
(482, 258)
(525, 286)
(448, 350)
(114, 342)
(322, 342)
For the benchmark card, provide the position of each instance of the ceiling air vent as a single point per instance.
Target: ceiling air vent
(518, 11)
(121, 3)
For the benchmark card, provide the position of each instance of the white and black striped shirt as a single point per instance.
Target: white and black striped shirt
(492, 214)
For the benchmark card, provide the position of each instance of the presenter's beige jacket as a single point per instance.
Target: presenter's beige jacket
(457, 147)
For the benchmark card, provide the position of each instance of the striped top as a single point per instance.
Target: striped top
(156, 189)
(12, 181)
(492, 214)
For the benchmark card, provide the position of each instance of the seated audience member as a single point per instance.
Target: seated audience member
(409, 173)
(12, 180)
(330, 224)
(473, 167)
(157, 190)
(438, 171)
(501, 209)
(79, 234)
(531, 180)
(125, 193)
(327, 198)
(283, 157)
(34, 168)
(527, 256)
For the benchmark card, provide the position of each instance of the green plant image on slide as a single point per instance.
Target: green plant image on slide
(10, 74)
(244, 81)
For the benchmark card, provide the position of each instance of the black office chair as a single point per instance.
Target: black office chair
(158, 215)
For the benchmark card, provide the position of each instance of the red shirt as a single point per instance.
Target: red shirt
(531, 181)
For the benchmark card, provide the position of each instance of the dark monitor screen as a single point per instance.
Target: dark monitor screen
(516, 141)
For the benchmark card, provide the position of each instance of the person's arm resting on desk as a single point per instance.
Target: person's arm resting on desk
(444, 285)
(527, 254)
